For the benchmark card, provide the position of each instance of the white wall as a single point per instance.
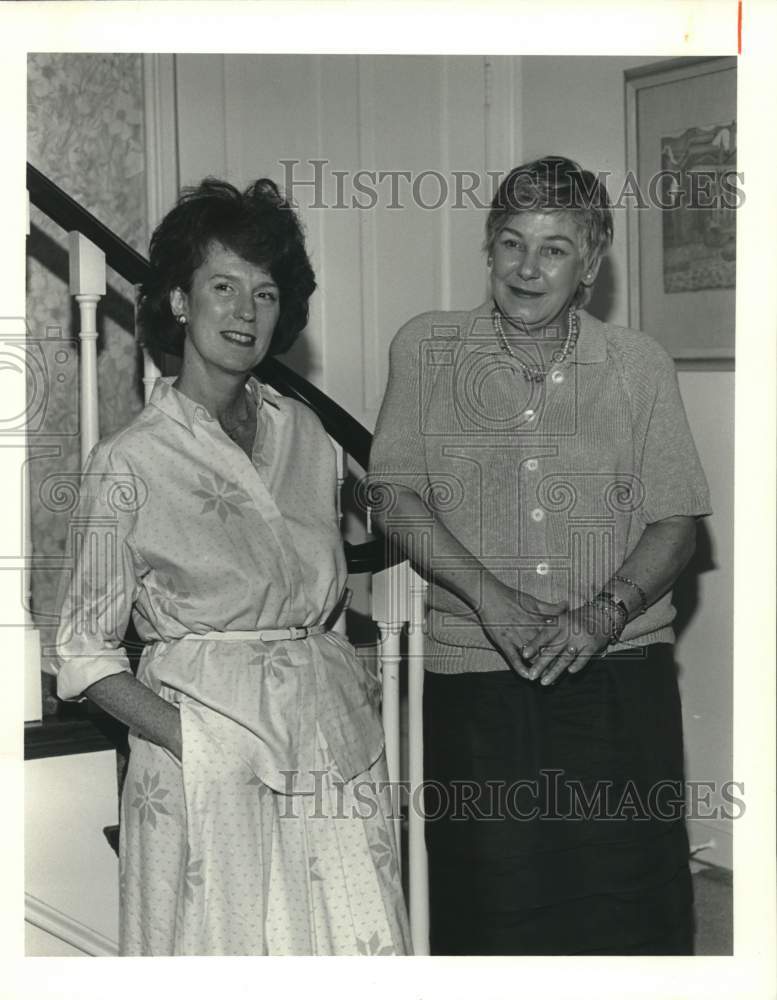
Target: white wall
(705, 648)
(575, 107)
(69, 866)
(379, 266)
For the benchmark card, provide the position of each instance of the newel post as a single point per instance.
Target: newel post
(87, 284)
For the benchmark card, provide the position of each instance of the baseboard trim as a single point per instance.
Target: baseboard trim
(51, 920)
(712, 843)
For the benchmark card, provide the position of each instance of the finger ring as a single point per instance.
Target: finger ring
(549, 621)
(572, 650)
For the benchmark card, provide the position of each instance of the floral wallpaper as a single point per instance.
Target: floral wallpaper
(85, 132)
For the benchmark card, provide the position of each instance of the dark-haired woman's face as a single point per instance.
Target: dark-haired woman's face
(538, 265)
(231, 311)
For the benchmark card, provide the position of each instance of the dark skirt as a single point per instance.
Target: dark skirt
(555, 815)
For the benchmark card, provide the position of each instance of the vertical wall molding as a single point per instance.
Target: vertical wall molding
(445, 169)
(503, 121)
(160, 118)
(317, 335)
(368, 256)
(233, 87)
(376, 265)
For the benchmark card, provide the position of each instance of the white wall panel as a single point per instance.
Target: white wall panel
(273, 112)
(68, 863)
(464, 128)
(379, 265)
(705, 649)
(341, 300)
(199, 80)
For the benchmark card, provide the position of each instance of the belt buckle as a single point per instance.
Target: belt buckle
(298, 632)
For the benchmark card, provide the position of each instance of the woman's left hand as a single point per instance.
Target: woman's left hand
(568, 644)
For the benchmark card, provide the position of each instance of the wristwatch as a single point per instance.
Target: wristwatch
(616, 602)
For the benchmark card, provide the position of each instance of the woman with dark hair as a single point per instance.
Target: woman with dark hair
(537, 467)
(255, 814)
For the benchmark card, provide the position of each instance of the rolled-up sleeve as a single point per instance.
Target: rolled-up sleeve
(101, 583)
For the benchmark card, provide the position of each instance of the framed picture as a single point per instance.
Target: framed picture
(683, 192)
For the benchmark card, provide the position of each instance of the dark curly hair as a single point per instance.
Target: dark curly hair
(259, 225)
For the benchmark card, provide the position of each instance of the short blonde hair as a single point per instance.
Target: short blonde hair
(555, 184)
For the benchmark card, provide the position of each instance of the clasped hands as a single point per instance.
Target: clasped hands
(541, 640)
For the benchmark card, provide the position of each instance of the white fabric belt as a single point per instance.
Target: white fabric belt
(264, 634)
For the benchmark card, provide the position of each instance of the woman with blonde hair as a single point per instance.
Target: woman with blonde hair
(537, 467)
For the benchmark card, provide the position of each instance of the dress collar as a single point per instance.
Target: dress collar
(186, 412)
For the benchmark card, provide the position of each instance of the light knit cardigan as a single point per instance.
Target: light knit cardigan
(550, 485)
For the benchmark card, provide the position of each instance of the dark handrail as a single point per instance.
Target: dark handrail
(338, 423)
(67, 213)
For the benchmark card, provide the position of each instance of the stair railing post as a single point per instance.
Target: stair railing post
(87, 284)
(342, 464)
(390, 611)
(416, 840)
(150, 374)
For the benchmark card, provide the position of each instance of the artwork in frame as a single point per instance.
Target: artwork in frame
(681, 130)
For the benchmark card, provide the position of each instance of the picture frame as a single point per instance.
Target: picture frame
(682, 192)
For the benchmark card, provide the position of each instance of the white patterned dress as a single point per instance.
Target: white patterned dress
(273, 835)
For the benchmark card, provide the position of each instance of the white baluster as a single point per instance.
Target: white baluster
(340, 459)
(33, 692)
(390, 610)
(340, 462)
(87, 284)
(390, 659)
(416, 842)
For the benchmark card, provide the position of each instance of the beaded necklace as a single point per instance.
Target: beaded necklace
(535, 373)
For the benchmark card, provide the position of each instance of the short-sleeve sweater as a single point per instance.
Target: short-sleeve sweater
(550, 484)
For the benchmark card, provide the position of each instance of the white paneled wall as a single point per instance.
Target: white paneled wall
(420, 120)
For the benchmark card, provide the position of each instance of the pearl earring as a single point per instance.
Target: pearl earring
(181, 319)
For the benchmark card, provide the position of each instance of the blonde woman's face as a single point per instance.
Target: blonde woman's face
(539, 262)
